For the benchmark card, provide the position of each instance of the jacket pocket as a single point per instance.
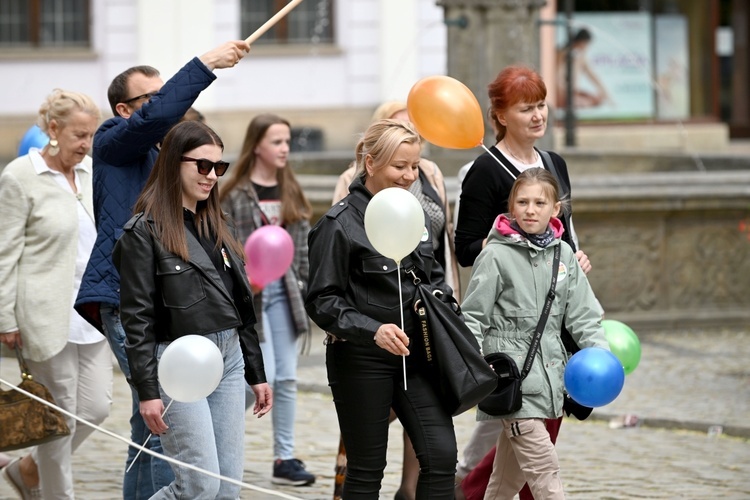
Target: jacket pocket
(382, 285)
(181, 283)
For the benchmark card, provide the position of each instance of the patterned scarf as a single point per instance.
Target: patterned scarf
(540, 240)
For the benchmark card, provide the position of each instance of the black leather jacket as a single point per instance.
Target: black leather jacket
(162, 298)
(353, 289)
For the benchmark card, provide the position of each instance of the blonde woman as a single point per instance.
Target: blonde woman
(429, 189)
(47, 223)
(354, 297)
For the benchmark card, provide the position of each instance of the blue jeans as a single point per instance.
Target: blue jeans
(208, 433)
(149, 474)
(280, 358)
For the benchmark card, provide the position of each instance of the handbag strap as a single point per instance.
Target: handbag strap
(25, 375)
(547, 160)
(543, 318)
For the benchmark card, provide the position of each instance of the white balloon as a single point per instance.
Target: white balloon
(394, 222)
(190, 368)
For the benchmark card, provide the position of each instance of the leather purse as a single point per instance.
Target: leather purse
(24, 421)
(463, 376)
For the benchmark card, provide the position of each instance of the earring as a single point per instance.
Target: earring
(54, 147)
(370, 174)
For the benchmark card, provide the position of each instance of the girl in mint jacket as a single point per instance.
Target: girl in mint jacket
(503, 303)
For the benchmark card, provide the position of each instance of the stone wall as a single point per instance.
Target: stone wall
(666, 248)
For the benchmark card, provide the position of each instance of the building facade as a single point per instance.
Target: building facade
(675, 65)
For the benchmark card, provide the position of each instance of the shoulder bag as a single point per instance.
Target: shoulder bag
(24, 421)
(507, 397)
(463, 377)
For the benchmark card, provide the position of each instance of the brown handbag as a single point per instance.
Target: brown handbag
(24, 421)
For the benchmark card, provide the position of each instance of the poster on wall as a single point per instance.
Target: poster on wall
(672, 67)
(612, 68)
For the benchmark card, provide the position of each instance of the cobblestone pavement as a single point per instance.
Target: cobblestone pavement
(686, 383)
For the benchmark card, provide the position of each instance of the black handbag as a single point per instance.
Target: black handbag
(507, 397)
(463, 376)
(25, 421)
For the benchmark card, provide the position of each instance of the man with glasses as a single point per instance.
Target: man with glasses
(125, 148)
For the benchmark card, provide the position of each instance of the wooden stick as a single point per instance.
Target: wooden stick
(275, 19)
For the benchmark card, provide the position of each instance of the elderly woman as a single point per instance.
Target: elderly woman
(47, 224)
(353, 295)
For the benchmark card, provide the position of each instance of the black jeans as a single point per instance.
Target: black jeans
(366, 382)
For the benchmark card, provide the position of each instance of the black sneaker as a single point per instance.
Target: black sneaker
(291, 472)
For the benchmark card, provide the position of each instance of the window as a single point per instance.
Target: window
(44, 23)
(309, 22)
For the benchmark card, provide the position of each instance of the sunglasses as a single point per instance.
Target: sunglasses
(205, 166)
(142, 96)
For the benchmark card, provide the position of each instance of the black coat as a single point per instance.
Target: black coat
(162, 298)
(353, 289)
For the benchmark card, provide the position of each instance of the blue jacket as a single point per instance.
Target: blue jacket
(124, 153)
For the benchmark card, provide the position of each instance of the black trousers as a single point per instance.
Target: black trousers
(366, 382)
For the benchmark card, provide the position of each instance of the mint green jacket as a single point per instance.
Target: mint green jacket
(503, 302)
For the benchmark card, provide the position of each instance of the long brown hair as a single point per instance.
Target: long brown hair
(294, 204)
(161, 199)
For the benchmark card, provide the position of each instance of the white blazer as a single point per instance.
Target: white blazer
(38, 246)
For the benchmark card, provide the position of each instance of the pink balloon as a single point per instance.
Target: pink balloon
(269, 251)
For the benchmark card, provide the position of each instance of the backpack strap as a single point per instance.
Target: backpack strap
(564, 193)
(547, 160)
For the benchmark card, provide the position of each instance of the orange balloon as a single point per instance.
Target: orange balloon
(446, 113)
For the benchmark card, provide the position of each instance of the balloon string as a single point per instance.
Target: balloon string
(146, 450)
(401, 302)
(146, 441)
(498, 160)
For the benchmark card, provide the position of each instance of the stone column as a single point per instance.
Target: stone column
(484, 36)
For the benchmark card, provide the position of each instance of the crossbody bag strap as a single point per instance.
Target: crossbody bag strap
(543, 318)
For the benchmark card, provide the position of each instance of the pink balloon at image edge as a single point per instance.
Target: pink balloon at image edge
(269, 251)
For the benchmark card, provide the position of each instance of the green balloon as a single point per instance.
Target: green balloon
(624, 344)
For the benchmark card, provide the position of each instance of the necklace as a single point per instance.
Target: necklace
(536, 155)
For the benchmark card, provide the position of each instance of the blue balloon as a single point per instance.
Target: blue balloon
(594, 377)
(33, 138)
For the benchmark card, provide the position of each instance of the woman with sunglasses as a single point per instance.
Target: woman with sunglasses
(261, 190)
(182, 272)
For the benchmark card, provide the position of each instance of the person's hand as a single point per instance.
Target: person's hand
(583, 261)
(225, 55)
(263, 399)
(392, 339)
(11, 339)
(151, 411)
